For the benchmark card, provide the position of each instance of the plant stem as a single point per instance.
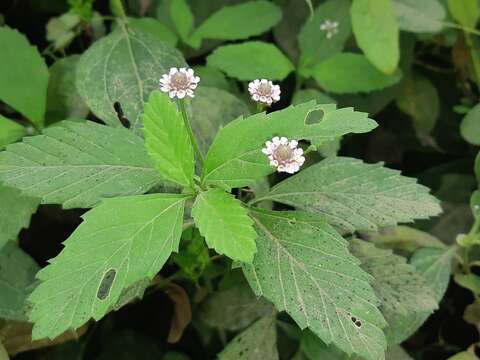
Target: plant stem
(117, 9)
(196, 148)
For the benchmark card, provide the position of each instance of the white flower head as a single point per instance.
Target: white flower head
(330, 27)
(179, 82)
(285, 155)
(264, 91)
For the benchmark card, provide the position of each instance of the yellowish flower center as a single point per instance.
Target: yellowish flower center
(283, 153)
(264, 90)
(180, 81)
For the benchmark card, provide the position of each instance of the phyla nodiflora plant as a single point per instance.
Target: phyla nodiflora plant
(296, 259)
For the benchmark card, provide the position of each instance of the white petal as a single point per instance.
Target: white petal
(181, 94)
(255, 97)
(172, 93)
(190, 72)
(293, 144)
(283, 140)
(276, 140)
(173, 70)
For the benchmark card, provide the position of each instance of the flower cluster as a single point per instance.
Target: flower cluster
(330, 27)
(284, 154)
(179, 83)
(264, 91)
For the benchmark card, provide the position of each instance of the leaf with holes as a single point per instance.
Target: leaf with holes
(123, 67)
(15, 213)
(303, 266)
(77, 164)
(17, 279)
(259, 341)
(353, 195)
(404, 294)
(121, 242)
(167, 141)
(225, 224)
(235, 158)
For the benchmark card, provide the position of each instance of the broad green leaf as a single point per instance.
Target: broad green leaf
(315, 44)
(303, 266)
(233, 309)
(154, 27)
(405, 238)
(305, 95)
(315, 349)
(251, 60)
(259, 341)
(425, 16)
(435, 265)
(405, 295)
(182, 18)
(61, 30)
(376, 32)
(63, 100)
(354, 196)
(23, 76)
(225, 224)
(132, 293)
(211, 77)
(465, 355)
(464, 11)
(469, 281)
(77, 164)
(351, 73)
(167, 141)
(239, 22)
(212, 109)
(235, 158)
(121, 242)
(10, 131)
(470, 126)
(3, 353)
(123, 67)
(15, 213)
(397, 353)
(17, 279)
(419, 98)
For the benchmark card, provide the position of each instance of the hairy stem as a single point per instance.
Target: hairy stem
(196, 148)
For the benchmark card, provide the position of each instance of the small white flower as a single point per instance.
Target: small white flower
(330, 27)
(179, 82)
(264, 91)
(284, 154)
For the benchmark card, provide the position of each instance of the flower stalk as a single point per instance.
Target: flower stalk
(191, 135)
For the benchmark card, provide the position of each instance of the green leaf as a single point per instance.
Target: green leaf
(405, 295)
(303, 266)
(123, 67)
(239, 22)
(435, 265)
(121, 242)
(235, 158)
(314, 348)
(3, 353)
(465, 355)
(233, 309)
(212, 109)
(305, 95)
(397, 353)
(237, 61)
(211, 77)
(314, 44)
(15, 213)
(424, 16)
(469, 281)
(470, 126)
(354, 196)
(182, 18)
(77, 164)
(167, 141)
(376, 32)
(23, 76)
(259, 341)
(10, 131)
(419, 98)
(154, 27)
(60, 30)
(225, 224)
(63, 100)
(17, 278)
(351, 73)
(464, 11)
(405, 238)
